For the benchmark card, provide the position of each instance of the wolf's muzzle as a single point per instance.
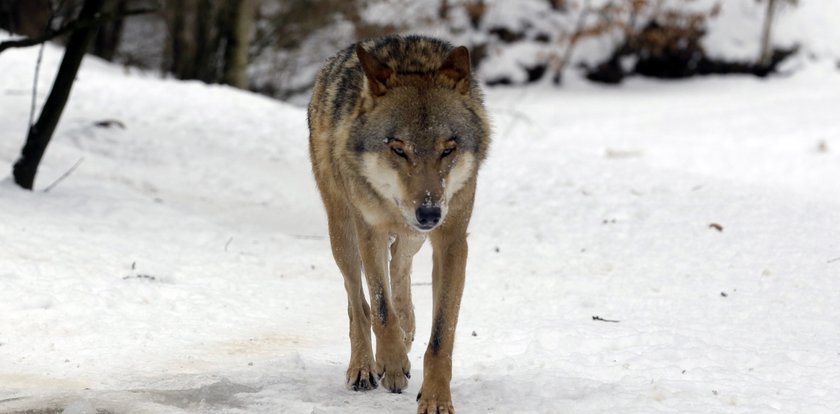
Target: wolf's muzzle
(427, 217)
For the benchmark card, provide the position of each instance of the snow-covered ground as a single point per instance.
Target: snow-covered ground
(184, 266)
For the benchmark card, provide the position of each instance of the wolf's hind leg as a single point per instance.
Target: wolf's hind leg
(362, 369)
(402, 252)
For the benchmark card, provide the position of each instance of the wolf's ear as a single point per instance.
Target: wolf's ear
(456, 68)
(376, 72)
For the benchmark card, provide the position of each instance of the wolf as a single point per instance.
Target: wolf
(397, 132)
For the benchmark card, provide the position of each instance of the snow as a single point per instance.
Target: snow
(811, 25)
(185, 267)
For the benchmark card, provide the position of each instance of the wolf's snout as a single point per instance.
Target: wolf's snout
(428, 217)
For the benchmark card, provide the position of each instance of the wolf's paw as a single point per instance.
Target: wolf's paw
(394, 372)
(361, 378)
(434, 403)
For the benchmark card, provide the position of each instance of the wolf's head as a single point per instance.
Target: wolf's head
(420, 135)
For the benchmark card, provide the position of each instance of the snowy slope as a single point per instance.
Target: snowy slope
(184, 266)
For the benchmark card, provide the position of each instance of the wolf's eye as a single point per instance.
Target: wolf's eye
(447, 152)
(399, 151)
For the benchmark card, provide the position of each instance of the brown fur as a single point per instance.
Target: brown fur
(397, 132)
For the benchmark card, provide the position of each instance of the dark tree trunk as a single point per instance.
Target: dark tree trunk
(40, 133)
(183, 41)
(108, 38)
(206, 41)
(213, 22)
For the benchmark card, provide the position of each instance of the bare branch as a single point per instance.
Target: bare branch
(573, 39)
(63, 176)
(35, 86)
(598, 318)
(70, 27)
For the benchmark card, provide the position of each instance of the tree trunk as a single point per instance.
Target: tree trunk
(766, 54)
(183, 41)
(207, 41)
(108, 38)
(40, 133)
(239, 39)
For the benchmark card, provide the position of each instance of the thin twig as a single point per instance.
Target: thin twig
(836, 259)
(573, 39)
(35, 88)
(228, 243)
(307, 237)
(598, 318)
(65, 175)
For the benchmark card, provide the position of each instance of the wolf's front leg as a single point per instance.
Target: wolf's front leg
(403, 250)
(361, 370)
(392, 364)
(450, 258)
(361, 374)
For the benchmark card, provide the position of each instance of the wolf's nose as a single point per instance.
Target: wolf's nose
(428, 217)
